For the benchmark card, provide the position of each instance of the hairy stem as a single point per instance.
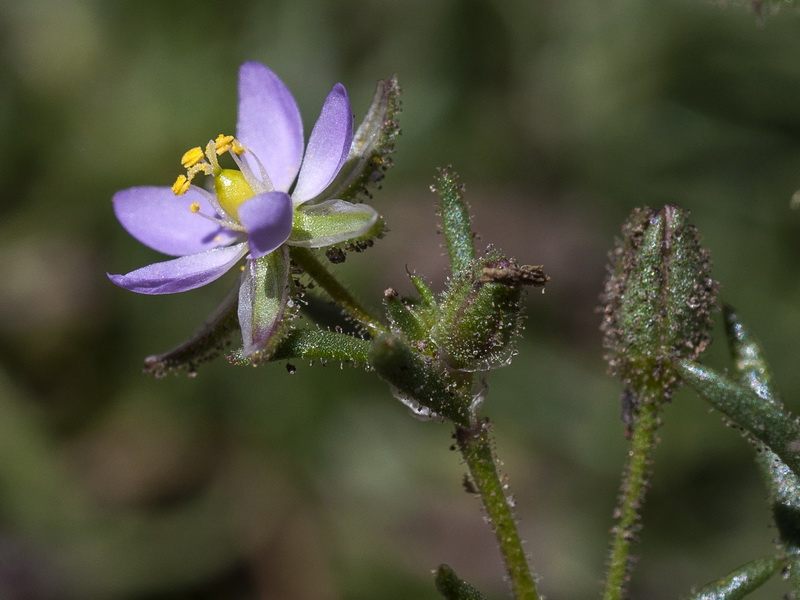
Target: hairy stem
(475, 445)
(306, 260)
(634, 486)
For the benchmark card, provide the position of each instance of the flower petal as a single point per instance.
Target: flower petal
(331, 222)
(263, 297)
(267, 218)
(158, 218)
(181, 274)
(328, 146)
(269, 124)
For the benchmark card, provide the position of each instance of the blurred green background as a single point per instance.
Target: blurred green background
(561, 116)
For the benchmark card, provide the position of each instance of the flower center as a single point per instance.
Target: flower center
(232, 187)
(232, 190)
(196, 161)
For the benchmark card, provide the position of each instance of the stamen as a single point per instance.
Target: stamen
(223, 143)
(237, 147)
(211, 155)
(192, 157)
(259, 186)
(227, 143)
(226, 223)
(181, 185)
(202, 167)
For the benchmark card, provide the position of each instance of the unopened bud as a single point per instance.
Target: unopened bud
(658, 300)
(480, 315)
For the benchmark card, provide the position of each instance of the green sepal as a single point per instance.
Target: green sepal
(403, 316)
(373, 142)
(425, 306)
(740, 582)
(315, 344)
(753, 371)
(208, 342)
(263, 303)
(418, 379)
(765, 422)
(332, 222)
(456, 224)
(425, 292)
(452, 588)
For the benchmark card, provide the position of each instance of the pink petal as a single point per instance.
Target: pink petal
(163, 221)
(328, 146)
(269, 124)
(267, 218)
(181, 274)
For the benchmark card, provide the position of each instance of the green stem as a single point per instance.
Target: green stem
(475, 445)
(306, 260)
(634, 486)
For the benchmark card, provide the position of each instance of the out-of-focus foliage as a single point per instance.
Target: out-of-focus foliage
(249, 483)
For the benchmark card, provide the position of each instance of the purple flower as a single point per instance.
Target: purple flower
(276, 197)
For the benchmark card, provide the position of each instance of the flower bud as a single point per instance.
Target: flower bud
(658, 299)
(480, 315)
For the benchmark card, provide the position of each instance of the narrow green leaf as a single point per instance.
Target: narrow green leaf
(748, 358)
(456, 224)
(752, 371)
(316, 344)
(766, 422)
(740, 582)
(452, 588)
(206, 343)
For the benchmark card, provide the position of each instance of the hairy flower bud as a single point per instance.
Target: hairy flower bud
(658, 300)
(481, 313)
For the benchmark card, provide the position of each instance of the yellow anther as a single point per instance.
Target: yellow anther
(193, 162)
(237, 147)
(181, 185)
(192, 157)
(223, 143)
(194, 207)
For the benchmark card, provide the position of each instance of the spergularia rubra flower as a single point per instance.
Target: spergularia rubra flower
(281, 194)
